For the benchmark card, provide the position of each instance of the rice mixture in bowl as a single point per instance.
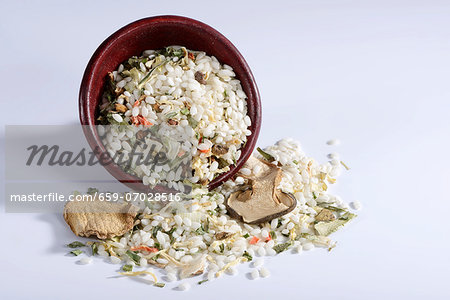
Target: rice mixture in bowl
(179, 102)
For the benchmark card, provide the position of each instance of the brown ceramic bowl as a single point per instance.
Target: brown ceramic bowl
(156, 33)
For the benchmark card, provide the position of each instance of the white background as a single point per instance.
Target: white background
(374, 74)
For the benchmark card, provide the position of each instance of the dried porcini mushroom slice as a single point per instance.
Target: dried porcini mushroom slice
(261, 201)
(99, 218)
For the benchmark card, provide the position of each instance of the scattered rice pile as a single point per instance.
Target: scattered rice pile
(196, 236)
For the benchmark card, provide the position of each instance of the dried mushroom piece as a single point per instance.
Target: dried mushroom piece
(261, 201)
(325, 215)
(99, 218)
(222, 235)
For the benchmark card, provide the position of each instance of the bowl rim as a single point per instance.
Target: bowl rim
(88, 123)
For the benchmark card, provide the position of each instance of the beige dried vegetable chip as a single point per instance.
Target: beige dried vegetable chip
(99, 218)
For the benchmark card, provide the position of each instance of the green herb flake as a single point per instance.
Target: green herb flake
(170, 233)
(281, 247)
(127, 268)
(222, 248)
(94, 248)
(110, 87)
(76, 252)
(279, 223)
(314, 195)
(265, 155)
(192, 122)
(92, 191)
(134, 61)
(76, 244)
(134, 257)
(159, 284)
(185, 111)
(247, 256)
(202, 281)
(246, 235)
(171, 52)
(157, 246)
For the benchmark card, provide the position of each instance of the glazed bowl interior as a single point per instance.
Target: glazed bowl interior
(156, 33)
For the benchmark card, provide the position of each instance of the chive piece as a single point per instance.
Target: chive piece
(266, 155)
(314, 195)
(246, 235)
(76, 244)
(159, 284)
(127, 268)
(76, 252)
(202, 281)
(281, 247)
(273, 235)
(134, 257)
(170, 234)
(247, 256)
